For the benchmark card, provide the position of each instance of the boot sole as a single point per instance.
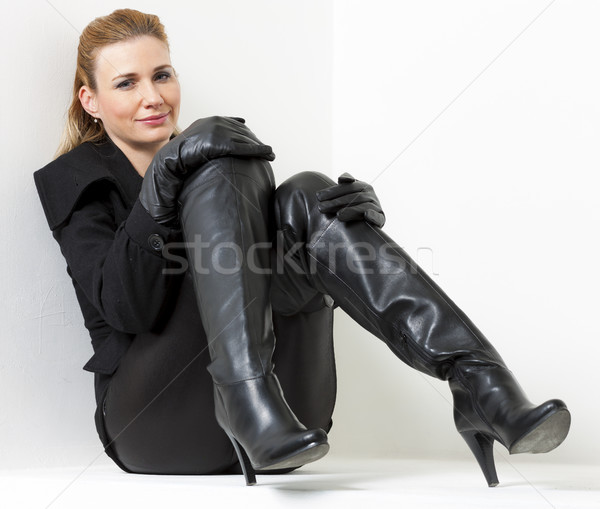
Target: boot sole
(312, 452)
(545, 437)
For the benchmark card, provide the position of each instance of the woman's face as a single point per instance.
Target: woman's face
(137, 96)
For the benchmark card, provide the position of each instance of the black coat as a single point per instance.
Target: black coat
(113, 250)
(111, 245)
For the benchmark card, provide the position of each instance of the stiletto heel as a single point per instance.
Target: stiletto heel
(235, 307)
(482, 447)
(489, 405)
(249, 473)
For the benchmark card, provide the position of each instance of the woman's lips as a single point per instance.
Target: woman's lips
(155, 119)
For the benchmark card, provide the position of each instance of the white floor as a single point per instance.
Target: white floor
(331, 482)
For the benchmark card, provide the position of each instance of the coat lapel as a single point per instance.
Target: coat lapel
(61, 183)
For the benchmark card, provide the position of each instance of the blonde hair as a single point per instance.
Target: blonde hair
(118, 26)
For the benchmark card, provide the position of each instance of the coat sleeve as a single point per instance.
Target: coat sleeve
(120, 268)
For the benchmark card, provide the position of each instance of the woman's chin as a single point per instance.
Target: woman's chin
(158, 137)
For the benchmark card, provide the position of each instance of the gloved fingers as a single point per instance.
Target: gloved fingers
(230, 148)
(330, 206)
(363, 212)
(215, 130)
(353, 212)
(239, 140)
(252, 150)
(345, 178)
(335, 191)
(375, 218)
(214, 137)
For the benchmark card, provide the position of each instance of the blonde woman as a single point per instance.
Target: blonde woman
(188, 262)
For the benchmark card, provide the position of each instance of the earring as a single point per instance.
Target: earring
(95, 120)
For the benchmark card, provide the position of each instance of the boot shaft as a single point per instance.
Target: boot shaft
(225, 209)
(377, 283)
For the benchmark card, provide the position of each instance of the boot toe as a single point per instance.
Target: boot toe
(549, 431)
(312, 451)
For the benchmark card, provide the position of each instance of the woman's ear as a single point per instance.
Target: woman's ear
(87, 97)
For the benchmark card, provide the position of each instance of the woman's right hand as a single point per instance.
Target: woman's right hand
(204, 140)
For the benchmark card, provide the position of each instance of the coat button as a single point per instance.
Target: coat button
(156, 242)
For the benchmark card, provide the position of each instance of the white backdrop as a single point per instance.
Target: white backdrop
(475, 121)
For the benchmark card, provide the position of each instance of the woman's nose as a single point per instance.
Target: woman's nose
(151, 96)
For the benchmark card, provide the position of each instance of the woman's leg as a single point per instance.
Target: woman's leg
(304, 357)
(371, 278)
(159, 409)
(305, 364)
(225, 211)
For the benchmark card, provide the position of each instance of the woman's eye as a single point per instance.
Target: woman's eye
(163, 76)
(125, 84)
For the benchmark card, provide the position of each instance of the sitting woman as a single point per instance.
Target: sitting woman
(188, 262)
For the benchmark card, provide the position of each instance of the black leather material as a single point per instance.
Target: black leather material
(352, 200)
(506, 414)
(376, 282)
(160, 416)
(225, 211)
(387, 293)
(159, 403)
(176, 432)
(206, 139)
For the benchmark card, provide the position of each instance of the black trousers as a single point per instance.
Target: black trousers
(158, 410)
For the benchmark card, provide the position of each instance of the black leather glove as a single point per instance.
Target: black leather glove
(206, 139)
(351, 200)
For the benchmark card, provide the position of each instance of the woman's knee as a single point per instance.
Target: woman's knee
(297, 195)
(231, 175)
(306, 181)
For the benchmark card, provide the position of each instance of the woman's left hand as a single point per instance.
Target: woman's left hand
(351, 200)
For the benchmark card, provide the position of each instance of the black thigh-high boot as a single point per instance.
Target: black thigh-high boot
(371, 278)
(225, 207)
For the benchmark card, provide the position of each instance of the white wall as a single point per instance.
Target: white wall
(499, 188)
(499, 181)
